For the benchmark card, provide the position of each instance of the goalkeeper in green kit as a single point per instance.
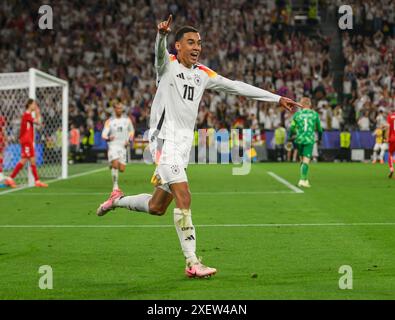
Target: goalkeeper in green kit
(302, 131)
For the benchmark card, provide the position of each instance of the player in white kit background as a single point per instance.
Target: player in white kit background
(118, 132)
(181, 82)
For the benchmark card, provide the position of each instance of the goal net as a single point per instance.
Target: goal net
(50, 136)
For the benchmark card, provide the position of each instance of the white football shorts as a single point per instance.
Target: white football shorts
(171, 159)
(117, 153)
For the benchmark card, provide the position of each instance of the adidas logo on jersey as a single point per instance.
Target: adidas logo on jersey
(181, 76)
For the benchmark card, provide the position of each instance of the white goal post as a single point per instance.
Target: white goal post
(51, 136)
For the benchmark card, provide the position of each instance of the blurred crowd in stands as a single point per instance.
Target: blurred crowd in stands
(105, 49)
(369, 73)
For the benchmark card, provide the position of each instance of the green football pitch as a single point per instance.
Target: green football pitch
(267, 239)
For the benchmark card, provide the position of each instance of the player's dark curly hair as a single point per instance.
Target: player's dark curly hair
(28, 103)
(185, 29)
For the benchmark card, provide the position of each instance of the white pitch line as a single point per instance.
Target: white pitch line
(57, 194)
(285, 182)
(259, 225)
(278, 178)
(55, 180)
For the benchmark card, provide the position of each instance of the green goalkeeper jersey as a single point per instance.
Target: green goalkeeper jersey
(304, 123)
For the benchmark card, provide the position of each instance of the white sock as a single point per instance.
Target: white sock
(186, 233)
(135, 203)
(114, 174)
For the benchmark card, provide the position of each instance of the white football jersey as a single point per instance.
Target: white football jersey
(120, 128)
(180, 89)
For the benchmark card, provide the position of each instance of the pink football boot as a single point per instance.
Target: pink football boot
(199, 270)
(109, 204)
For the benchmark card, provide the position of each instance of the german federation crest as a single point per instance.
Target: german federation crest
(197, 79)
(175, 169)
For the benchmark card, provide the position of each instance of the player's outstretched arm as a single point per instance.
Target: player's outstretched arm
(219, 83)
(161, 53)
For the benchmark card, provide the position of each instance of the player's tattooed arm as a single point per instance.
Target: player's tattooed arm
(161, 53)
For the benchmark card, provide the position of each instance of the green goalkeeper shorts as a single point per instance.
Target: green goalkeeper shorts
(305, 150)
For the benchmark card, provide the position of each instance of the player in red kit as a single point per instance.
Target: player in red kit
(26, 138)
(2, 145)
(391, 140)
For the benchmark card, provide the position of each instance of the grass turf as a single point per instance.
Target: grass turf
(289, 261)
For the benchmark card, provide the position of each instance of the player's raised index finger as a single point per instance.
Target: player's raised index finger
(169, 20)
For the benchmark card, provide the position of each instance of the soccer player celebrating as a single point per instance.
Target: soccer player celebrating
(391, 141)
(380, 144)
(2, 145)
(181, 83)
(304, 124)
(26, 138)
(118, 132)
